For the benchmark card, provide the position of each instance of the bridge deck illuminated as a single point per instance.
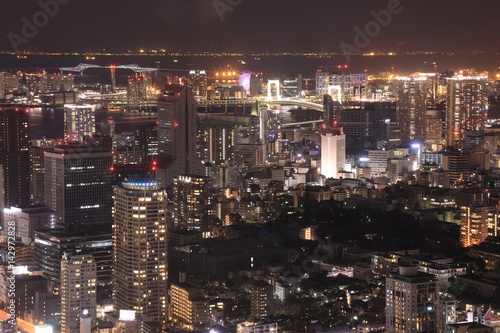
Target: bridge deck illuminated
(304, 104)
(82, 67)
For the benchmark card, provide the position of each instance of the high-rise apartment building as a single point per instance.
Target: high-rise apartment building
(79, 121)
(137, 87)
(177, 135)
(190, 306)
(140, 249)
(78, 290)
(411, 301)
(193, 203)
(466, 108)
(474, 222)
(78, 185)
(217, 144)
(261, 296)
(412, 96)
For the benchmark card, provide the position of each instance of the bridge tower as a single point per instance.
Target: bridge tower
(113, 78)
(338, 92)
(276, 84)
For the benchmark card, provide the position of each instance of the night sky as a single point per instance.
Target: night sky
(115, 25)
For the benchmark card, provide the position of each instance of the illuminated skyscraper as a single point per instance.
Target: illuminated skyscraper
(137, 88)
(412, 107)
(79, 121)
(193, 203)
(177, 132)
(78, 185)
(466, 108)
(411, 300)
(140, 249)
(78, 290)
(14, 157)
(332, 152)
(197, 81)
(217, 144)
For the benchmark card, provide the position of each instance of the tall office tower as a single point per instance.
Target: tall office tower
(78, 185)
(137, 87)
(365, 126)
(197, 82)
(190, 306)
(177, 133)
(458, 164)
(51, 244)
(466, 108)
(261, 296)
(411, 103)
(217, 144)
(140, 249)
(78, 290)
(193, 204)
(474, 222)
(37, 168)
(332, 152)
(352, 85)
(148, 141)
(411, 300)
(14, 156)
(79, 121)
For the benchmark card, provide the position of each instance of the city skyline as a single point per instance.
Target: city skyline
(250, 166)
